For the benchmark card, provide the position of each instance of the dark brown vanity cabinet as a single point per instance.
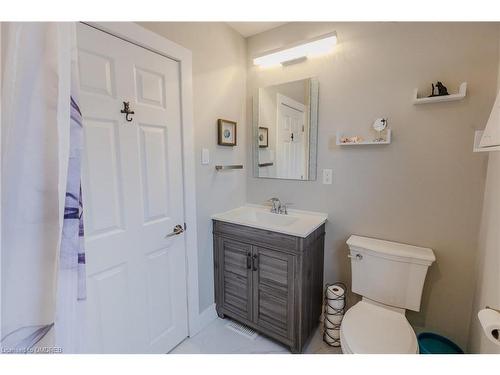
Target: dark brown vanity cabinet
(269, 281)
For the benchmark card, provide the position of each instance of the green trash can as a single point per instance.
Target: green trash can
(432, 343)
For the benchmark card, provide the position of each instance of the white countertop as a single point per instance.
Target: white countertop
(297, 223)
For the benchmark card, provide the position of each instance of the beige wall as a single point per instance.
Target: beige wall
(219, 79)
(426, 187)
(488, 259)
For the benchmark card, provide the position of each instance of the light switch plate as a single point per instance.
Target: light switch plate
(327, 176)
(205, 156)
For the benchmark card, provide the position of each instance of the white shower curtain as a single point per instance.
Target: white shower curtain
(37, 62)
(71, 289)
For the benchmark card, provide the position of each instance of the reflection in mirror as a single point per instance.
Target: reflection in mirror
(285, 130)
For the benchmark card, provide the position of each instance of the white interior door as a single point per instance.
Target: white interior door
(291, 141)
(133, 194)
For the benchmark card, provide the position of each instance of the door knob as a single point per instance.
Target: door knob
(178, 229)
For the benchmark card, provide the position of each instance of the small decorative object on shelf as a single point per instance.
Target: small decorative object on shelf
(442, 90)
(354, 139)
(380, 125)
(434, 91)
(226, 133)
(438, 90)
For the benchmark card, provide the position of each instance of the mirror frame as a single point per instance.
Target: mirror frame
(313, 130)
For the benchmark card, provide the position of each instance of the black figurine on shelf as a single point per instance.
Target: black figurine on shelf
(438, 90)
(433, 91)
(442, 90)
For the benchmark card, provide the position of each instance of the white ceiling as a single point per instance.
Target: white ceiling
(247, 29)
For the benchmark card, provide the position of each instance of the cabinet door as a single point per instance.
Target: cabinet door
(273, 288)
(236, 274)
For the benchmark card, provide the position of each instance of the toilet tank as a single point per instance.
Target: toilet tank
(389, 272)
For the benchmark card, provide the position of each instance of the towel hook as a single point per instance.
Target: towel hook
(127, 111)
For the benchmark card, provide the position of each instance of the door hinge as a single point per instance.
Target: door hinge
(185, 226)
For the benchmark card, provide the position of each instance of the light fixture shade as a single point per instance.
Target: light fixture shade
(318, 46)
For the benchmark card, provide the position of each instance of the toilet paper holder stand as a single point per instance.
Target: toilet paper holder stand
(491, 308)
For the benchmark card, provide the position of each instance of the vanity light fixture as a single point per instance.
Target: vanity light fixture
(299, 52)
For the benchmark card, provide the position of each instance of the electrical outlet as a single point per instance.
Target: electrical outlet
(327, 176)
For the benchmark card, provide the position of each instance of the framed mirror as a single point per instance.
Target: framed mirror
(285, 130)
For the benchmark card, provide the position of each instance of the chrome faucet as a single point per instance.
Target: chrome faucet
(278, 207)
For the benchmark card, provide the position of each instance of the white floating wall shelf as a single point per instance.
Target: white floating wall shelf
(477, 138)
(462, 91)
(364, 143)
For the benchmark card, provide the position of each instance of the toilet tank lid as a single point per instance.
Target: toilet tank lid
(392, 248)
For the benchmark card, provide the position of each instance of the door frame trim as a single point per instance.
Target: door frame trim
(135, 34)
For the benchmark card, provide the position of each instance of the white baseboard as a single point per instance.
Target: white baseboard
(206, 317)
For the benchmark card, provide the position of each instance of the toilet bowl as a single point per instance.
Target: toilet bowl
(390, 277)
(368, 328)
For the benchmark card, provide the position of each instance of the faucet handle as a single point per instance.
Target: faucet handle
(284, 208)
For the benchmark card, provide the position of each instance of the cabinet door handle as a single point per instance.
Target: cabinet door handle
(249, 260)
(255, 262)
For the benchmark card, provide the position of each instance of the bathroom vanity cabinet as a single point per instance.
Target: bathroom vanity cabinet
(269, 281)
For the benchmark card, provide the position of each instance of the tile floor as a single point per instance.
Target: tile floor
(219, 339)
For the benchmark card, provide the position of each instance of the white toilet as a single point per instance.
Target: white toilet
(390, 277)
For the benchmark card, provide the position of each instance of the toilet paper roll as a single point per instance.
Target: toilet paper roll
(334, 306)
(335, 291)
(335, 298)
(333, 321)
(490, 321)
(332, 335)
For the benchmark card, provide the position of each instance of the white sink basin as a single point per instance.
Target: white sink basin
(297, 223)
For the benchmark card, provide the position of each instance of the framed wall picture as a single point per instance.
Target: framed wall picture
(226, 132)
(263, 137)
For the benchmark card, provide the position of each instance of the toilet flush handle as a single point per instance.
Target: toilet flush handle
(357, 256)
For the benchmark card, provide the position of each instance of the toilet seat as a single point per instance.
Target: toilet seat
(372, 329)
